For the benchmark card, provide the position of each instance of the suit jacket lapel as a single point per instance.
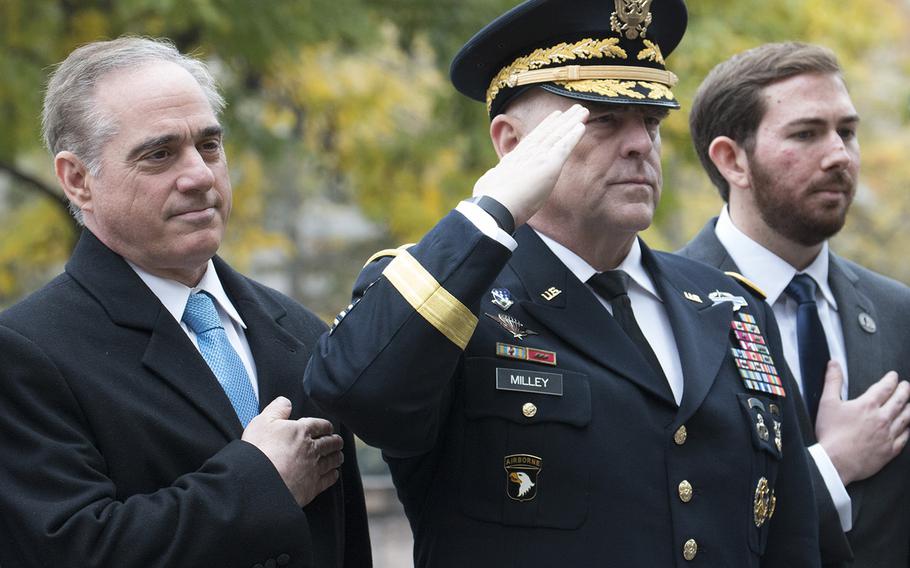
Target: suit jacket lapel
(701, 330)
(864, 351)
(706, 248)
(576, 315)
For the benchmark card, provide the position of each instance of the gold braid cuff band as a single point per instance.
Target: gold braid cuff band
(439, 307)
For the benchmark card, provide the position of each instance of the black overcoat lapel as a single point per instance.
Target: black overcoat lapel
(169, 354)
(280, 358)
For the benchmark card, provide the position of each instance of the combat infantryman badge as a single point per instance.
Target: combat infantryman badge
(502, 298)
(521, 476)
(512, 325)
(719, 297)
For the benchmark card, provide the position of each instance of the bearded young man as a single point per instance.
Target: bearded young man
(775, 129)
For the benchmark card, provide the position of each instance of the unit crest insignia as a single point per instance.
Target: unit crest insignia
(521, 476)
(502, 298)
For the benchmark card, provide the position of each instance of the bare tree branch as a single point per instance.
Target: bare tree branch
(36, 184)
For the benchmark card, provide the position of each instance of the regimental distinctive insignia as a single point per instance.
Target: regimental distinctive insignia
(764, 503)
(719, 297)
(522, 471)
(502, 298)
(512, 325)
(692, 297)
(631, 17)
(550, 293)
(867, 323)
(753, 359)
(526, 353)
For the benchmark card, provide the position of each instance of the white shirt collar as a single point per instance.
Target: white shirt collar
(174, 295)
(769, 271)
(583, 271)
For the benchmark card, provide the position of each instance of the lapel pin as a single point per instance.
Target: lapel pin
(512, 325)
(719, 297)
(550, 293)
(867, 323)
(692, 297)
(502, 298)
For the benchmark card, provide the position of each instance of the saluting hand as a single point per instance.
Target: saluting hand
(862, 435)
(305, 452)
(525, 176)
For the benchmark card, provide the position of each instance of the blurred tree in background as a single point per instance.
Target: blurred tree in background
(344, 135)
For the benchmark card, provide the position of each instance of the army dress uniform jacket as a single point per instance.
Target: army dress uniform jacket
(880, 505)
(508, 462)
(119, 447)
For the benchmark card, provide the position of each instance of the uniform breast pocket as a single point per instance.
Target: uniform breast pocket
(523, 451)
(763, 418)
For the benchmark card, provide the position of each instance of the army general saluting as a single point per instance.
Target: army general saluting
(547, 390)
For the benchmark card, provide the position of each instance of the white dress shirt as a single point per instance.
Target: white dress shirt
(174, 296)
(772, 274)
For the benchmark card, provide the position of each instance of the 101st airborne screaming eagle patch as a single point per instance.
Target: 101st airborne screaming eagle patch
(521, 476)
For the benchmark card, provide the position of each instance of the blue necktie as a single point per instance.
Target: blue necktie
(201, 316)
(813, 346)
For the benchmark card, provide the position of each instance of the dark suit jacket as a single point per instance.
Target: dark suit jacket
(119, 447)
(880, 537)
(611, 467)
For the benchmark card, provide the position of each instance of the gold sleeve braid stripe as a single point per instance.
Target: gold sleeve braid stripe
(440, 308)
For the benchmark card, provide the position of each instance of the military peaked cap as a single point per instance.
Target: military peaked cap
(596, 50)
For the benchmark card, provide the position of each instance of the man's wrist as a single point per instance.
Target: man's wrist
(499, 212)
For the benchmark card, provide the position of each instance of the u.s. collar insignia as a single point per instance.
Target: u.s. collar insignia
(512, 325)
(502, 298)
(521, 476)
(632, 17)
(719, 297)
(550, 293)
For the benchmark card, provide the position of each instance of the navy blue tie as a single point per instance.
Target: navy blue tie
(201, 316)
(813, 346)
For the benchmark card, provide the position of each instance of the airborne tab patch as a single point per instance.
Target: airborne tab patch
(521, 476)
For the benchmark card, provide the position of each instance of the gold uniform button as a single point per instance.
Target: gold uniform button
(690, 549)
(680, 436)
(685, 491)
(529, 410)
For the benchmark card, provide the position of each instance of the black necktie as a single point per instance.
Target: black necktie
(613, 286)
(813, 346)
